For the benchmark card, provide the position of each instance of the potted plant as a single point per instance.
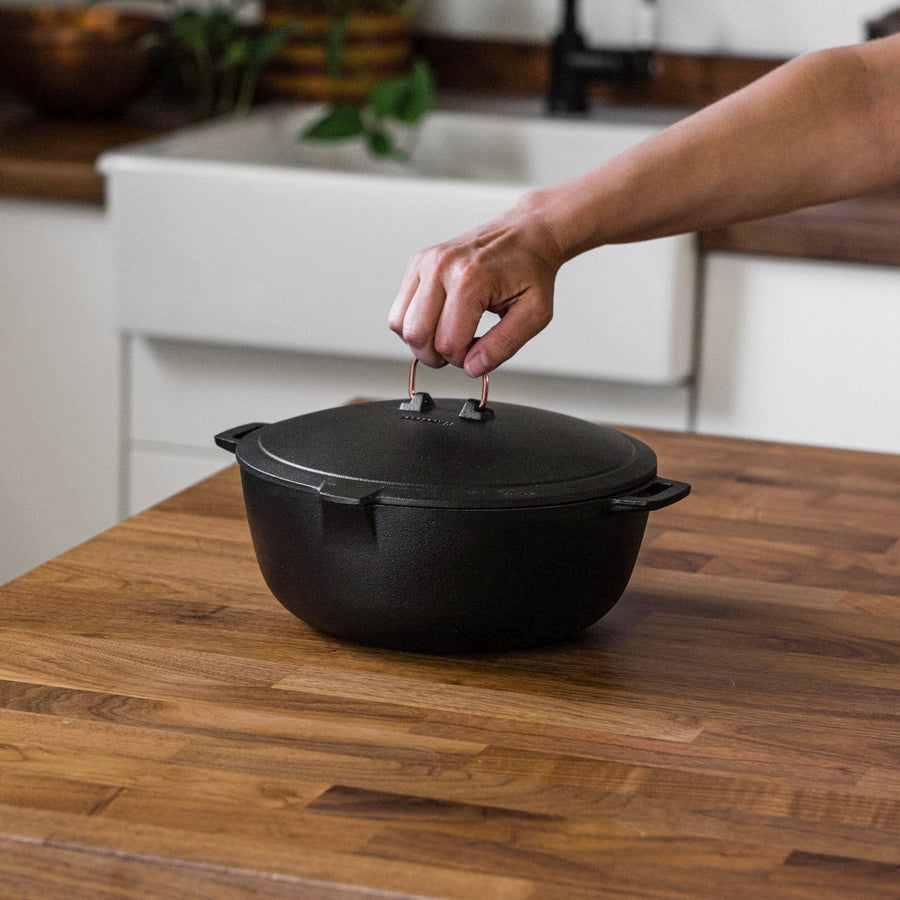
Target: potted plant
(356, 56)
(220, 52)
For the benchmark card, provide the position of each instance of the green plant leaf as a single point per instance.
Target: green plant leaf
(236, 53)
(407, 98)
(419, 95)
(340, 122)
(388, 96)
(188, 31)
(266, 46)
(221, 29)
(380, 143)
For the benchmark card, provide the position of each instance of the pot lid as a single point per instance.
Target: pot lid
(394, 453)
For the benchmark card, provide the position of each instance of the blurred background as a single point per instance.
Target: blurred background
(146, 306)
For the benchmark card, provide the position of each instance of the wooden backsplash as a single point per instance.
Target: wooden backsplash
(515, 69)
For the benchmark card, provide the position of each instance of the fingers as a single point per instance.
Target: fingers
(447, 289)
(464, 305)
(416, 311)
(524, 318)
(404, 298)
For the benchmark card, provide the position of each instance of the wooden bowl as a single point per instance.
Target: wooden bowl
(74, 61)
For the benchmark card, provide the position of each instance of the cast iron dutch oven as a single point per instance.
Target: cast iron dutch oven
(441, 525)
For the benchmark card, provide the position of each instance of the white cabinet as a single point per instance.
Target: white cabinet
(801, 351)
(59, 381)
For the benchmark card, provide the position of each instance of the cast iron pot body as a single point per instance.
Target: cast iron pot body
(419, 526)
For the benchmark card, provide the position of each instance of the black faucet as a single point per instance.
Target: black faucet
(574, 66)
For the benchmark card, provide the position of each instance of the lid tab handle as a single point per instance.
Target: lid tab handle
(419, 401)
(473, 410)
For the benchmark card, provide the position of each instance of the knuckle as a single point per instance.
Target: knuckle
(429, 260)
(467, 279)
(415, 335)
(395, 322)
(450, 263)
(419, 257)
(448, 348)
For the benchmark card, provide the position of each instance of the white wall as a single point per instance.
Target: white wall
(740, 27)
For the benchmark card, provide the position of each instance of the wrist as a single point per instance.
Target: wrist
(543, 223)
(567, 217)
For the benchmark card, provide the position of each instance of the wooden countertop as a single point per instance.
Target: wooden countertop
(863, 230)
(56, 159)
(730, 729)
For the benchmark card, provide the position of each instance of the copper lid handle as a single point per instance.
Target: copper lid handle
(485, 382)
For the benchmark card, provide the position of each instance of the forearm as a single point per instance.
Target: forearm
(820, 128)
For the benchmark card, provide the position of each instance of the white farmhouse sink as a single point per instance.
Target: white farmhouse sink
(236, 233)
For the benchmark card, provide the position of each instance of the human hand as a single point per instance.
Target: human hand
(507, 267)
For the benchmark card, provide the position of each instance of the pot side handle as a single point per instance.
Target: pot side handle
(654, 495)
(228, 440)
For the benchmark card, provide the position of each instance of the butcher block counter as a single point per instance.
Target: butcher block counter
(730, 729)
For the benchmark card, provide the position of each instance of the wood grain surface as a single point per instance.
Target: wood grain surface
(861, 230)
(730, 729)
(56, 159)
(511, 68)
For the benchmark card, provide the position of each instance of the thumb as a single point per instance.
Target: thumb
(521, 322)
